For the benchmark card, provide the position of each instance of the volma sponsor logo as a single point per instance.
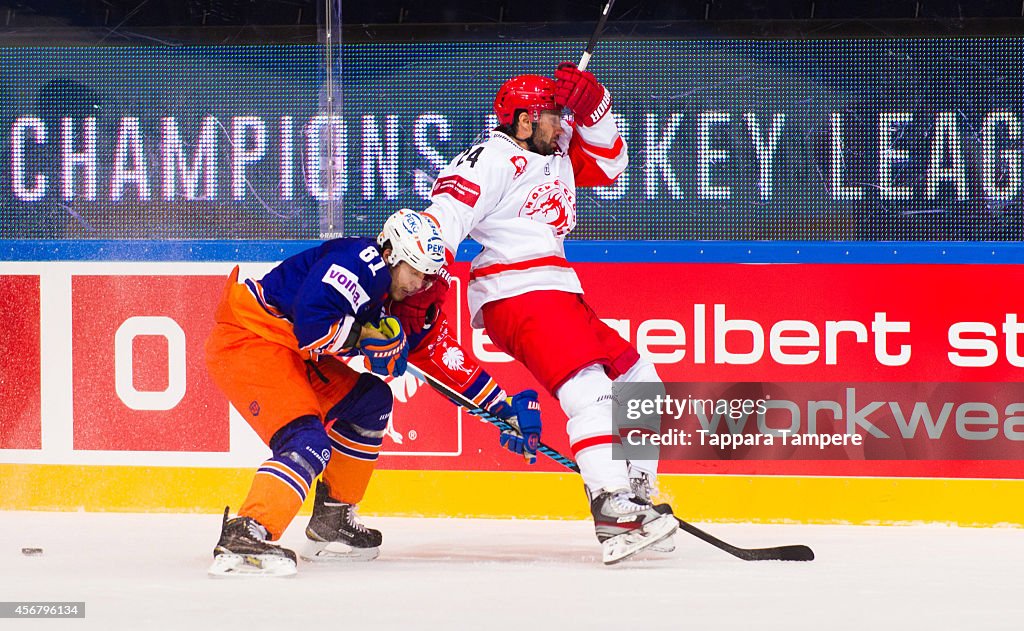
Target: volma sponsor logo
(347, 285)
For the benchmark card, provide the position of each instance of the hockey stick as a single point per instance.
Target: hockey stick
(778, 553)
(476, 410)
(588, 52)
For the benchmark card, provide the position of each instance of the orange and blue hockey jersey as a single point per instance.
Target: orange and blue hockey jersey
(313, 300)
(319, 298)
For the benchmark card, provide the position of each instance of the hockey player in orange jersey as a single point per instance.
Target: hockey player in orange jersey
(275, 351)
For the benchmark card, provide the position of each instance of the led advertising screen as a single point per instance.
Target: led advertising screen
(816, 140)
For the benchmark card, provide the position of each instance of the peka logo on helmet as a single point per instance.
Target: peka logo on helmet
(551, 203)
(435, 248)
(412, 223)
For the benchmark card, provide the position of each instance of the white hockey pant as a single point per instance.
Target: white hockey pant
(586, 399)
(644, 371)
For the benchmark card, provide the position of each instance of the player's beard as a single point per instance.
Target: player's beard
(537, 145)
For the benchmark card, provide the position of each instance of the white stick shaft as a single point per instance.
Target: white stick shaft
(589, 50)
(584, 60)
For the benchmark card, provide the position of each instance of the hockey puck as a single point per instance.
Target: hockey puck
(32, 552)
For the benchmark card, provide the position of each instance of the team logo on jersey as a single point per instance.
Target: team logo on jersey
(454, 359)
(519, 162)
(551, 203)
(347, 285)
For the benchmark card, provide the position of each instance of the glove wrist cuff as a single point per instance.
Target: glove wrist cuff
(603, 107)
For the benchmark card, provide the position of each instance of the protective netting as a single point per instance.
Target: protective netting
(822, 140)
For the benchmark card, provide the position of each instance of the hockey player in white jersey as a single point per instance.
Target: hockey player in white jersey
(515, 193)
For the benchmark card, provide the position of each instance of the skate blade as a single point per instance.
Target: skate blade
(621, 547)
(335, 552)
(665, 546)
(251, 566)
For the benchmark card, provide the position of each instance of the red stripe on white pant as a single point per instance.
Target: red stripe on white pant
(592, 441)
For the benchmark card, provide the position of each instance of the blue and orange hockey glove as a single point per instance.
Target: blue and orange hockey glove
(387, 356)
(522, 412)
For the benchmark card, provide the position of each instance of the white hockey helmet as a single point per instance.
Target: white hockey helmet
(414, 239)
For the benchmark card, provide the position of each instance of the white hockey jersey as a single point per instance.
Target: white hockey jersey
(519, 206)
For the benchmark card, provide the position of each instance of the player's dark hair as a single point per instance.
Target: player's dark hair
(510, 129)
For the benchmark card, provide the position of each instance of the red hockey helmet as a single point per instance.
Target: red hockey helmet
(529, 92)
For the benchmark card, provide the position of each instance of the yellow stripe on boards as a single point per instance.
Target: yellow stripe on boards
(821, 500)
(835, 500)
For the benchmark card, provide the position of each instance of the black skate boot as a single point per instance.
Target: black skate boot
(243, 550)
(626, 525)
(334, 532)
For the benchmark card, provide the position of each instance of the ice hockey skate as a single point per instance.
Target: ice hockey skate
(626, 525)
(643, 489)
(243, 551)
(334, 533)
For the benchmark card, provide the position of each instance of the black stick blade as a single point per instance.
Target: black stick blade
(780, 553)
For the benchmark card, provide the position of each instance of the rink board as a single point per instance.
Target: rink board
(507, 494)
(106, 404)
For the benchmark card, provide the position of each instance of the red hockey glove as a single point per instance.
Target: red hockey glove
(420, 309)
(580, 91)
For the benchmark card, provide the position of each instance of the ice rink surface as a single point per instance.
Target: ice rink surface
(149, 572)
